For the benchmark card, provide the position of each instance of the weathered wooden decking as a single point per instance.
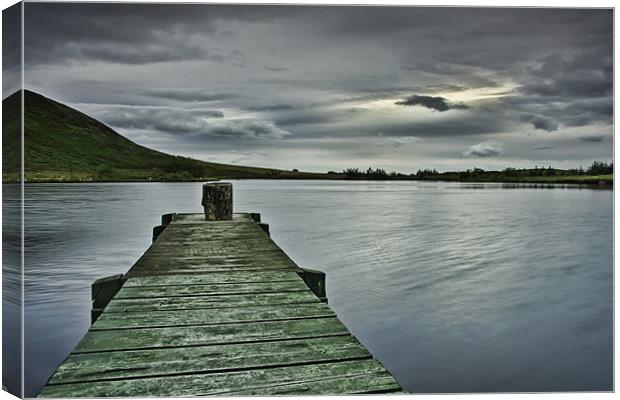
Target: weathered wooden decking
(217, 308)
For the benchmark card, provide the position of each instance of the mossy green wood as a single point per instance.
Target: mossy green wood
(321, 378)
(274, 312)
(210, 290)
(115, 340)
(219, 301)
(216, 358)
(213, 278)
(217, 308)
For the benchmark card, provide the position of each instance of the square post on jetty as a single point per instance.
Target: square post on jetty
(217, 200)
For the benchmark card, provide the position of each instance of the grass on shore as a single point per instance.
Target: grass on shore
(154, 175)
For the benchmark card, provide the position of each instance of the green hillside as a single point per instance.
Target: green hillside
(63, 144)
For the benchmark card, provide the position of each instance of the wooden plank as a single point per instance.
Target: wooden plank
(119, 320)
(237, 242)
(193, 218)
(115, 340)
(206, 230)
(206, 359)
(210, 290)
(247, 241)
(218, 270)
(219, 301)
(213, 279)
(325, 378)
(217, 308)
(174, 262)
(199, 254)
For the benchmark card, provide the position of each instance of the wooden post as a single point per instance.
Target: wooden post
(315, 280)
(102, 291)
(255, 217)
(217, 200)
(157, 230)
(264, 227)
(166, 219)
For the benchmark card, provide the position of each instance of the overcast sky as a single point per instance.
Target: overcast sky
(325, 88)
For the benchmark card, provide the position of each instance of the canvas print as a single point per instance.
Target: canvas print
(242, 200)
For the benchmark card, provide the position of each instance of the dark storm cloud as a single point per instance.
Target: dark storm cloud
(588, 111)
(579, 74)
(11, 49)
(309, 72)
(551, 114)
(541, 122)
(11, 37)
(106, 32)
(434, 103)
(130, 54)
(127, 33)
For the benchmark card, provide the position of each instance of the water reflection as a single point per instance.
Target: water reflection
(475, 289)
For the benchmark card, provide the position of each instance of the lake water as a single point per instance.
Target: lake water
(453, 287)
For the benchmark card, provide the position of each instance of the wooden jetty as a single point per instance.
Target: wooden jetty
(215, 307)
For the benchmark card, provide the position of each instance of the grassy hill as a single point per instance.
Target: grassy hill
(63, 144)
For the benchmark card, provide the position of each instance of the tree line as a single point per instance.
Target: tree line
(595, 169)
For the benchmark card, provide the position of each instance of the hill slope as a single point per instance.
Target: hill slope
(63, 144)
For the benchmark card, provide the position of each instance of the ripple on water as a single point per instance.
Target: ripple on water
(453, 287)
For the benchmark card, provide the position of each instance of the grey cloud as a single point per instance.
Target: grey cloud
(356, 110)
(434, 103)
(459, 126)
(304, 118)
(182, 122)
(248, 130)
(188, 95)
(541, 122)
(276, 69)
(274, 107)
(307, 66)
(442, 88)
(169, 120)
(11, 49)
(587, 111)
(129, 33)
(582, 74)
(484, 149)
(550, 114)
(592, 138)
(129, 53)
(398, 142)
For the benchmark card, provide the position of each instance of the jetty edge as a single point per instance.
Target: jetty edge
(215, 307)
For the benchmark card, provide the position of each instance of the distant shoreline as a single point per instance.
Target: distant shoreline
(582, 180)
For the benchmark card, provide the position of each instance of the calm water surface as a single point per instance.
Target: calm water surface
(454, 287)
